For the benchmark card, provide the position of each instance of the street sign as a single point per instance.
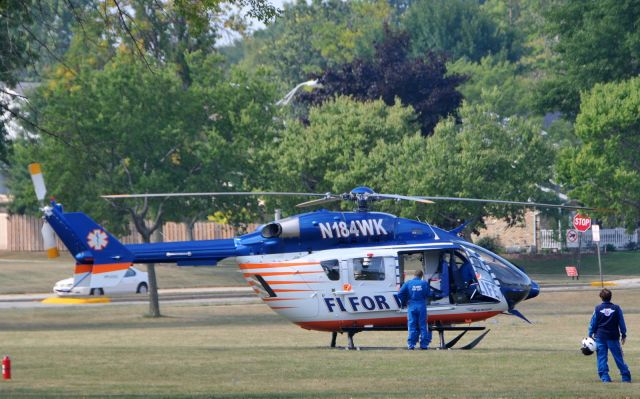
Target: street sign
(572, 236)
(595, 230)
(581, 222)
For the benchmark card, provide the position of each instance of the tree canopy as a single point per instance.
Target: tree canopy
(310, 37)
(605, 170)
(392, 74)
(460, 28)
(597, 41)
(154, 76)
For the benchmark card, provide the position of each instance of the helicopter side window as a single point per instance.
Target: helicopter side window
(331, 268)
(369, 269)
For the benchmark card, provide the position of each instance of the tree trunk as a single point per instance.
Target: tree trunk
(139, 217)
(190, 225)
(154, 300)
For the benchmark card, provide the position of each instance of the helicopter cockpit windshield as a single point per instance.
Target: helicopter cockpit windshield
(515, 284)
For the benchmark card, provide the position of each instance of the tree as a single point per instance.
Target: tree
(126, 128)
(393, 74)
(15, 54)
(485, 153)
(338, 134)
(597, 41)
(496, 83)
(310, 37)
(36, 34)
(604, 171)
(459, 28)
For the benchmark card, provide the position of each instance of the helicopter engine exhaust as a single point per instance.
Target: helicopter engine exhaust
(285, 228)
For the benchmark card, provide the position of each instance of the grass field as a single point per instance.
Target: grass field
(550, 268)
(206, 351)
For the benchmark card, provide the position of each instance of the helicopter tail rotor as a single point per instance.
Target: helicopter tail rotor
(48, 235)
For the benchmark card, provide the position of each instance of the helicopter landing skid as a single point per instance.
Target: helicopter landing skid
(440, 329)
(350, 334)
(454, 341)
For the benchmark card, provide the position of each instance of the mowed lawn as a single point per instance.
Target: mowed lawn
(234, 351)
(549, 269)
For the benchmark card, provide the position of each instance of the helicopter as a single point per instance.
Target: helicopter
(333, 271)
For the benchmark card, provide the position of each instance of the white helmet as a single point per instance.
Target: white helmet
(588, 346)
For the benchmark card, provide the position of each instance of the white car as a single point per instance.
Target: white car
(133, 282)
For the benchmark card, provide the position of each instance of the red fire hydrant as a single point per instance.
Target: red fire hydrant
(6, 368)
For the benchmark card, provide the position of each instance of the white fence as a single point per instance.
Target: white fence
(619, 238)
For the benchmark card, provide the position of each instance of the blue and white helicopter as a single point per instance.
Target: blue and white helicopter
(324, 270)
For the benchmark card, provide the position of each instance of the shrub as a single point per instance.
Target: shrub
(610, 248)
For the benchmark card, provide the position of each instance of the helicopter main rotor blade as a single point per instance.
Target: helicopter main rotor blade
(212, 194)
(318, 201)
(489, 201)
(403, 197)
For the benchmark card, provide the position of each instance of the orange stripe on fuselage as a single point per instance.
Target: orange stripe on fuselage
(109, 267)
(281, 299)
(338, 325)
(83, 269)
(246, 266)
(288, 290)
(265, 274)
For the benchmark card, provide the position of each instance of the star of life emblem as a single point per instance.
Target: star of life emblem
(607, 312)
(97, 239)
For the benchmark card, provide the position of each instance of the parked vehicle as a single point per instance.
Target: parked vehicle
(133, 282)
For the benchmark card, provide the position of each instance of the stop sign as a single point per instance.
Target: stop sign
(581, 222)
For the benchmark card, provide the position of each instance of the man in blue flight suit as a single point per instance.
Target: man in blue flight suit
(607, 325)
(413, 294)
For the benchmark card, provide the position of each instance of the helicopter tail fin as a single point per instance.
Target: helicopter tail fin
(459, 229)
(101, 259)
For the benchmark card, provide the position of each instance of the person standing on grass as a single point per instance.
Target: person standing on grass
(608, 329)
(413, 294)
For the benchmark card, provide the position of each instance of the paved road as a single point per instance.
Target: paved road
(220, 295)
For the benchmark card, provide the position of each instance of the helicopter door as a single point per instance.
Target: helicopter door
(373, 282)
(487, 286)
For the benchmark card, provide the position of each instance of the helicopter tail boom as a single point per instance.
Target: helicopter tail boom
(91, 244)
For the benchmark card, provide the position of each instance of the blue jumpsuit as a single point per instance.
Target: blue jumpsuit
(607, 324)
(414, 294)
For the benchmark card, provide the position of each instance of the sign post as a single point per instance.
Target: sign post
(595, 230)
(581, 223)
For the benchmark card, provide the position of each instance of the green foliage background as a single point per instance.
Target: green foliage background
(150, 99)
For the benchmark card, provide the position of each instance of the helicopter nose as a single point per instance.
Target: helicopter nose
(534, 291)
(516, 292)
